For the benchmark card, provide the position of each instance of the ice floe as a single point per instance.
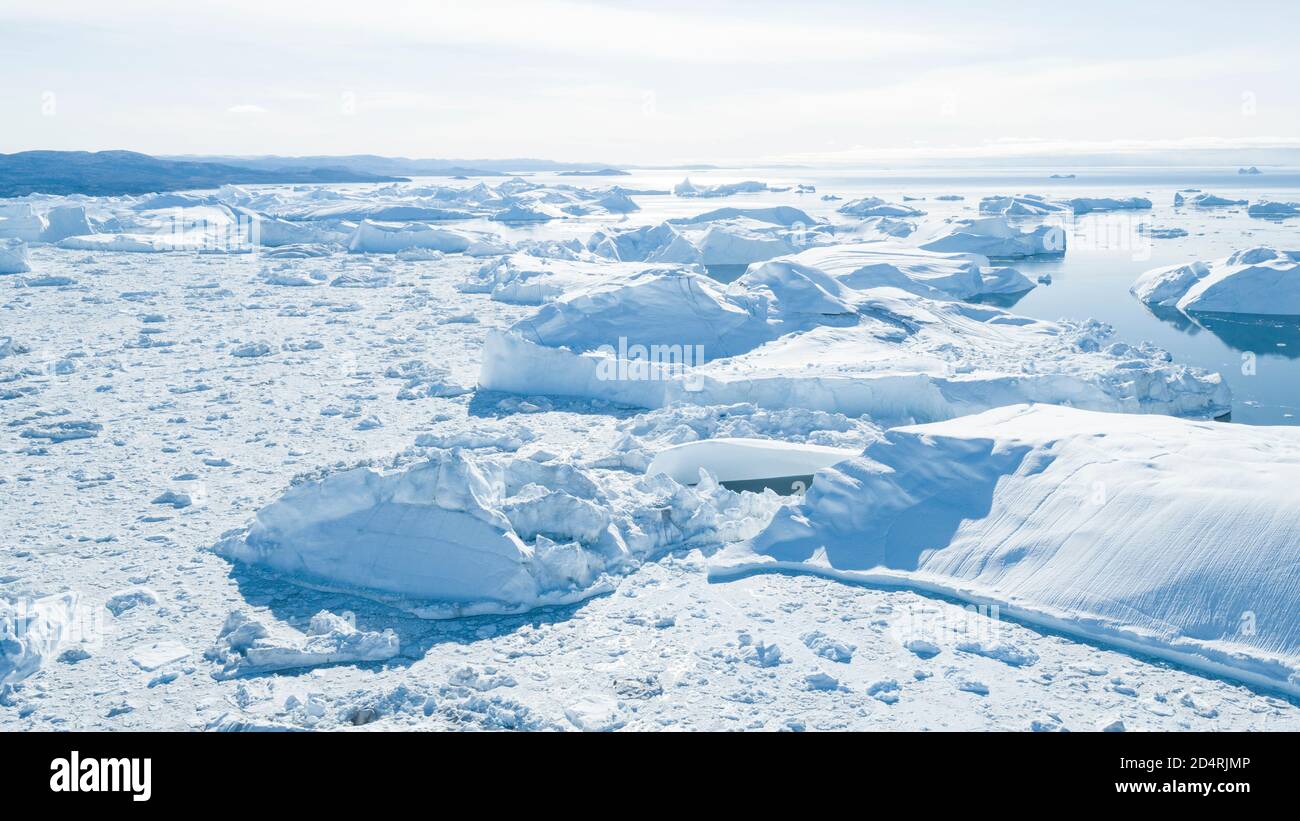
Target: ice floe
(1047, 512)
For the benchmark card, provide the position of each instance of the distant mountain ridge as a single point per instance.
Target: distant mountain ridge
(404, 166)
(112, 173)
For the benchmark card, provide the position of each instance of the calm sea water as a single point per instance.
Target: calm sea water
(1258, 356)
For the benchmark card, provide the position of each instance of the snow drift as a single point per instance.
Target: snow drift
(1109, 526)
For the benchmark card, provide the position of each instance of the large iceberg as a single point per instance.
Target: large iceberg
(790, 335)
(1113, 527)
(458, 535)
(376, 237)
(1258, 280)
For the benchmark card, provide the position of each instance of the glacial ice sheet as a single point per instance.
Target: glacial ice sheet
(1114, 527)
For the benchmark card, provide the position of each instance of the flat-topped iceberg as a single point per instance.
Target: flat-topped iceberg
(1114, 527)
(724, 237)
(1086, 205)
(790, 335)
(1258, 280)
(375, 237)
(1274, 210)
(997, 238)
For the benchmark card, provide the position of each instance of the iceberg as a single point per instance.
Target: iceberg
(739, 459)
(1205, 200)
(789, 335)
(1086, 205)
(374, 237)
(66, 221)
(1274, 210)
(1258, 280)
(686, 188)
(14, 257)
(525, 279)
(876, 207)
(458, 534)
(1021, 205)
(20, 221)
(921, 271)
(1114, 527)
(997, 238)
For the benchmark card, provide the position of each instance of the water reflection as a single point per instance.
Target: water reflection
(1258, 333)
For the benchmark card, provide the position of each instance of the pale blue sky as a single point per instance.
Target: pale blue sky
(647, 82)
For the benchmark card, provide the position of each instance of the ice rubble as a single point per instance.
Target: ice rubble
(1114, 527)
(32, 632)
(246, 646)
(1258, 280)
(14, 258)
(995, 237)
(461, 534)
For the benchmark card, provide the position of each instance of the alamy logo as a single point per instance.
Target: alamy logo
(651, 363)
(77, 774)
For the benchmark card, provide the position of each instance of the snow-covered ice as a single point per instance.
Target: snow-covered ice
(349, 455)
(1254, 281)
(1047, 512)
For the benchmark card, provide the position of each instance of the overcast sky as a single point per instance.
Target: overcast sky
(653, 82)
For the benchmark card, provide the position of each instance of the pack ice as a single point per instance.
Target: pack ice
(857, 329)
(1115, 527)
(1257, 280)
